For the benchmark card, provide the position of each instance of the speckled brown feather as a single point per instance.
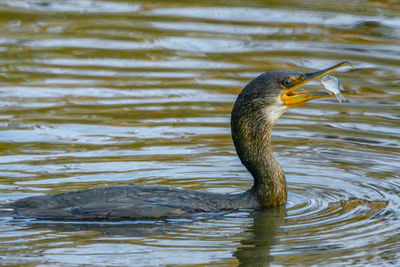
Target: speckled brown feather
(251, 132)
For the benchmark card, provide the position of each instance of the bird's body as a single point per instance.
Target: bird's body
(256, 110)
(132, 201)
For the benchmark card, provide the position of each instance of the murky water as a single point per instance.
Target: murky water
(97, 93)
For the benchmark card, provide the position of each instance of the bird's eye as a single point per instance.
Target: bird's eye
(287, 82)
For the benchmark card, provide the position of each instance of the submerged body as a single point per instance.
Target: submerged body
(129, 201)
(255, 112)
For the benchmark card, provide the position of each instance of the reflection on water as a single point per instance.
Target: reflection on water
(255, 248)
(97, 93)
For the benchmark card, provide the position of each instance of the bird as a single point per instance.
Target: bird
(258, 106)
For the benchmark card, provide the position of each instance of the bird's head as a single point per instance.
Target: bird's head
(275, 92)
(290, 83)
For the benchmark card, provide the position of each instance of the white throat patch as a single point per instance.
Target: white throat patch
(274, 111)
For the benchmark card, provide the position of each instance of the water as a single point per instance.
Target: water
(98, 93)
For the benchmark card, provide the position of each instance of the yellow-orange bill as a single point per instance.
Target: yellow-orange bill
(293, 99)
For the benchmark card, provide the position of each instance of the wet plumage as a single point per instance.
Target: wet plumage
(255, 111)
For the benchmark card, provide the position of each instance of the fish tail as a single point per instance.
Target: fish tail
(341, 98)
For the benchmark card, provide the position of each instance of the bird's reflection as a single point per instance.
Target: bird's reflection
(255, 250)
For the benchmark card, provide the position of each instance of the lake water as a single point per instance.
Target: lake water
(99, 93)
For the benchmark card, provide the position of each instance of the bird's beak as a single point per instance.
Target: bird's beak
(293, 99)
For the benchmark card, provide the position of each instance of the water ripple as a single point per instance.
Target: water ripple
(81, 6)
(98, 93)
(264, 15)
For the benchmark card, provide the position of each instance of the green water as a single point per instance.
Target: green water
(98, 93)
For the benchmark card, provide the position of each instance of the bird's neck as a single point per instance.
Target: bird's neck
(251, 133)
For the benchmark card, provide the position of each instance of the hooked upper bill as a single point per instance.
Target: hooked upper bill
(293, 99)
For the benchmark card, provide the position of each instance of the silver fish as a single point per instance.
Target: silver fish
(333, 86)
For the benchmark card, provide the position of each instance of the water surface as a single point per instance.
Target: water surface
(99, 93)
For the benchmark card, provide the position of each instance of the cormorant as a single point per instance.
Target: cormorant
(255, 111)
